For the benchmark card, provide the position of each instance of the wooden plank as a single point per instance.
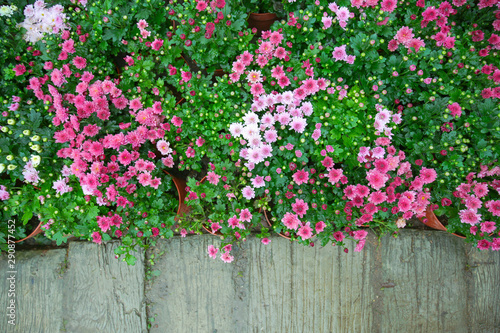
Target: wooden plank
(38, 288)
(194, 293)
(423, 283)
(269, 281)
(484, 290)
(103, 294)
(308, 289)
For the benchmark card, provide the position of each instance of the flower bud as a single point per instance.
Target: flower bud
(36, 159)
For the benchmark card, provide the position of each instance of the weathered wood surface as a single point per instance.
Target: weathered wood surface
(280, 287)
(103, 294)
(484, 290)
(80, 289)
(39, 291)
(424, 285)
(421, 282)
(194, 293)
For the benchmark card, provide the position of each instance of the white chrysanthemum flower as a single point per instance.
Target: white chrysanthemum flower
(251, 118)
(250, 130)
(236, 129)
(6, 11)
(36, 159)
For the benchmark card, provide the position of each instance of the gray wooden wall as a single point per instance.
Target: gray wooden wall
(422, 281)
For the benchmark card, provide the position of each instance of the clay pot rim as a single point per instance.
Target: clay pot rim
(38, 230)
(270, 226)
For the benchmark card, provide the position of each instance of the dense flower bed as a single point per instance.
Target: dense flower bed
(343, 115)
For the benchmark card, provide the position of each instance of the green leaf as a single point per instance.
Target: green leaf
(35, 119)
(28, 214)
(108, 34)
(90, 214)
(130, 259)
(143, 14)
(59, 238)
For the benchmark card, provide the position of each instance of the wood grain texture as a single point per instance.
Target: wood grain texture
(420, 282)
(268, 281)
(484, 290)
(426, 290)
(194, 293)
(103, 294)
(39, 291)
(307, 289)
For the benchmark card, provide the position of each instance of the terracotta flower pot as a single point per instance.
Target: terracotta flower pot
(434, 223)
(219, 72)
(180, 185)
(270, 226)
(209, 230)
(261, 21)
(205, 227)
(38, 230)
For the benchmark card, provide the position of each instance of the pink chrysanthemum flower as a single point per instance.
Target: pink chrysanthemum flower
(300, 207)
(428, 175)
(275, 37)
(488, 227)
(80, 62)
(334, 175)
(157, 44)
(258, 181)
(305, 231)
(470, 217)
(327, 21)
(298, 124)
(257, 89)
(339, 53)
(300, 177)
(404, 35)
(144, 178)
(186, 76)
(291, 221)
(96, 237)
(213, 178)
(266, 48)
(415, 43)
(248, 192)
(226, 257)
(493, 207)
(473, 203)
(388, 5)
(57, 77)
(212, 251)
(233, 222)
(339, 236)
(201, 5)
(480, 190)
(254, 77)
(164, 147)
(246, 58)
(376, 179)
(238, 67)
(245, 215)
(255, 155)
(360, 234)
(125, 157)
